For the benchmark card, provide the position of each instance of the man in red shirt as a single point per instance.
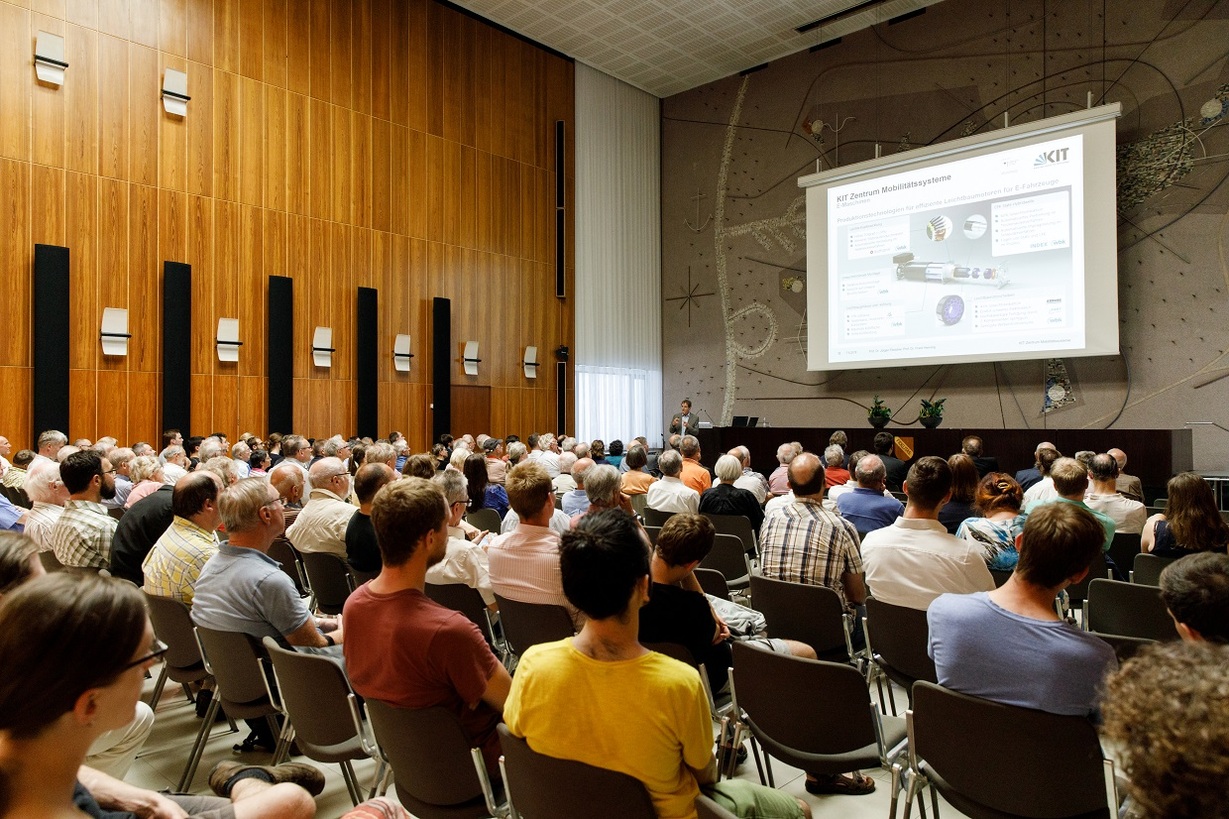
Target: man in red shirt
(405, 649)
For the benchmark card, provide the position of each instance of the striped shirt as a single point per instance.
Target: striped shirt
(524, 566)
(172, 566)
(39, 522)
(82, 536)
(14, 477)
(805, 543)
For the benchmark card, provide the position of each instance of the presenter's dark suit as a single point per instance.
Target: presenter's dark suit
(691, 427)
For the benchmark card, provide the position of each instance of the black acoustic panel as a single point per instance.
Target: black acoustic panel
(441, 367)
(367, 364)
(51, 339)
(280, 347)
(560, 210)
(176, 346)
(561, 396)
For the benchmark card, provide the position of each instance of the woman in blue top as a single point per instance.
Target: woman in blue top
(999, 498)
(483, 495)
(1190, 523)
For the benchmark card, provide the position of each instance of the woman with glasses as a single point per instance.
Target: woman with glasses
(75, 649)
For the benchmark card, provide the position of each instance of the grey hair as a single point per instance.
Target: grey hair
(39, 481)
(567, 460)
(602, 484)
(453, 484)
(210, 448)
(240, 504)
(120, 456)
(240, 451)
(223, 467)
(728, 468)
(52, 436)
(517, 452)
(786, 453)
(874, 472)
(834, 455)
(381, 452)
(670, 463)
(144, 467)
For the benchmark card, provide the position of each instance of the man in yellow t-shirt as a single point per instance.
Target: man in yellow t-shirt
(627, 709)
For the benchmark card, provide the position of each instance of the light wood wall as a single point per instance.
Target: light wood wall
(395, 144)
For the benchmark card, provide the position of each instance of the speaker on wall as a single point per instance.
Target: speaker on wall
(176, 346)
(441, 367)
(560, 209)
(280, 351)
(49, 387)
(367, 364)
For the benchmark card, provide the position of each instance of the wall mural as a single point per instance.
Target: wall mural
(733, 217)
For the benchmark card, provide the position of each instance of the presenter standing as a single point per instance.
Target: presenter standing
(685, 422)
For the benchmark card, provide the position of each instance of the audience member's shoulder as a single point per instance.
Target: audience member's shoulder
(956, 605)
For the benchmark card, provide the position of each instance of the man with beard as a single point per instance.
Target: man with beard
(82, 536)
(405, 649)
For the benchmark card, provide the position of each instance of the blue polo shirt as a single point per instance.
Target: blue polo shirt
(245, 590)
(868, 509)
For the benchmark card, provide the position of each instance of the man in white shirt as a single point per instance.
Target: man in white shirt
(464, 562)
(1044, 489)
(564, 482)
(915, 560)
(670, 494)
(48, 494)
(1128, 515)
(550, 454)
(752, 481)
(321, 526)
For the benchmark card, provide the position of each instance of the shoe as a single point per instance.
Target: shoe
(222, 777)
(854, 784)
(203, 698)
(253, 743)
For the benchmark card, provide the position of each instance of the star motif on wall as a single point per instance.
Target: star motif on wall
(690, 296)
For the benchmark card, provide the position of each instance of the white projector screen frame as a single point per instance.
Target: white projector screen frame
(902, 310)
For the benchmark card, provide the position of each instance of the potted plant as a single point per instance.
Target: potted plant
(931, 414)
(878, 414)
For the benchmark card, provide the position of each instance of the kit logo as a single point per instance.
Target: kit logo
(1050, 158)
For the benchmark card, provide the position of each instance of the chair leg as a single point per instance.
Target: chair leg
(187, 692)
(347, 773)
(285, 737)
(910, 792)
(194, 758)
(934, 801)
(378, 780)
(891, 698)
(768, 768)
(755, 751)
(158, 686)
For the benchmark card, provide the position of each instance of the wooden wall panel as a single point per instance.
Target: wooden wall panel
(344, 143)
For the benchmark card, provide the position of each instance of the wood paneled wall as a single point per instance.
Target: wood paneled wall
(395, 144)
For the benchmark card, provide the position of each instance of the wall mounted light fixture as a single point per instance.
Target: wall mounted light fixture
(175, 92)
(114, 333)
(228, 342)
(49, 62)
(322, 347)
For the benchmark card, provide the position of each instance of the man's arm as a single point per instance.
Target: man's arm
(497, 687)
(309, 636)
(855, 587)
(117, 795)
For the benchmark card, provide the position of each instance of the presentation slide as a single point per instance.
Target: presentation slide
(995, 247)
(981, 255)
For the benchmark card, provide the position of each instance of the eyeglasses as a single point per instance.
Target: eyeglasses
(465, 502)
(110, 471)
(155, 651)
(278, 501)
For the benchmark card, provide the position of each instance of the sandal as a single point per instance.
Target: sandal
(854, 784)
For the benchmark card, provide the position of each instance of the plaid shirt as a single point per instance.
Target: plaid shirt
(805, 543)
(82, 536)
(172, 566)
(14, 477)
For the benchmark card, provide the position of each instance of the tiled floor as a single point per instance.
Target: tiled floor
(162, 761)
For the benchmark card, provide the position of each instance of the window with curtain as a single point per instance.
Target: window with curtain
(613, 403)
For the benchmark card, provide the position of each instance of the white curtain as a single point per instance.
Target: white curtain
(618, 260)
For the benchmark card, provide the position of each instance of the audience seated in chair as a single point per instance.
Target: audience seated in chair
(694, 474)
(914, 560)
(1009, 645)
(727, 498)
(48, 496)
(321, 526)
(647, 715)
(670, 494)
(576, 501)
(778, 481)
(82, 535)
(868, 507)
(362, 548)
(1070, 482)
(998, 501)
(1103, 496)
(962, 504)
(175, 562)
(88, 685)
(405, 649)
(465, 558)
(1190, 523)
(602, 483)
(1043, 487)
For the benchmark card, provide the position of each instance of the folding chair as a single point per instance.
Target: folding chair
(1146, 570)
(545, 787)
(1123, 551)
(810, 614)
(437, 775)
(740, 527)
(1076, 593)
(527, 624)
(992, 761)
(484, 519)
(312, 692)
(330, 580)
(1127, 610)
(654, 517)
(283, 551)
(459, 597)
(729, 557)
(901, 646)
(713, 582)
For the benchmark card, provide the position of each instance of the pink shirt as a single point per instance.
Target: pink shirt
(524, 566)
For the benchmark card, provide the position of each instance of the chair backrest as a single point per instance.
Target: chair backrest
(1125, 647)
(640, 503)
(728, 557)
(1014, 760)
(737, 525)
(234, 659)
(1097, 569)
(901, 637)
(313, 691)
(284, 553)
(708, 809)
(527, 624)
(459, 597)
(780, 696)
(796, 611)
(486, 519)
(1129, 610)
(20, 498)
(655, 517)
(545, 787)
(713, 582)
(1123, 550)
(172, 622)
(428, 751)
(329, 576)
(1146, 570)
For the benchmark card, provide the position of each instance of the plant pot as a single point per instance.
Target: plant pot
(931, 421)
(880, 421)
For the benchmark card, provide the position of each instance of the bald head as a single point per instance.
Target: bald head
(1119, 456)
(806, 476)
(287, 479)
(579, 469)
(324, 469)
(370, 479)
